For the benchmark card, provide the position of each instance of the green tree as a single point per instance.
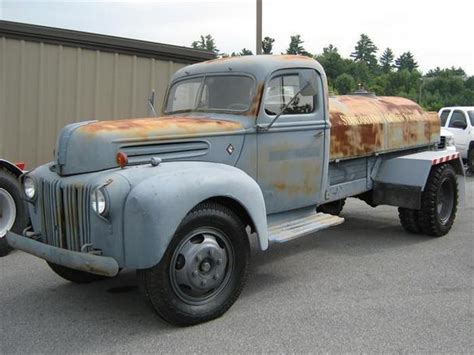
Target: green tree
(345, 84)
(365, 51)
(296, 46)
(267, 45)
(206, 43)
(332, 62)
(245, 51)
(406, 61)
(386, 60)
(360, 72)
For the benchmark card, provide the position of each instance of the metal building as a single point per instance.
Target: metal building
(50, 77)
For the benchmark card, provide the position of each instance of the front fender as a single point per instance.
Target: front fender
(157, 204)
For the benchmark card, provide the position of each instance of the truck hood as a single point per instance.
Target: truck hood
(92, 146)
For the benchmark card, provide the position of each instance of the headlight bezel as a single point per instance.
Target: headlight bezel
(97, 196)
(26, 180)
(450, 141)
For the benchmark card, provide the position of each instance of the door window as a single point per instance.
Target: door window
(279, 93)
(471, 117)
(458, 120)
(444, 117)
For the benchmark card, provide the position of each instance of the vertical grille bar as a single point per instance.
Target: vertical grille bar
(65, 215)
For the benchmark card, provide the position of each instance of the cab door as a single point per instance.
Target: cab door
(292, 158)
(459, 128)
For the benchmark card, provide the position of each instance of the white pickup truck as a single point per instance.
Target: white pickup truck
(460, 122)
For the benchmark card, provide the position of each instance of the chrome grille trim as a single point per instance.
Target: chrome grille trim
(64, 211)
(442, 142)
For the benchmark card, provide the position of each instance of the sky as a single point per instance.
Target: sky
(438, 33)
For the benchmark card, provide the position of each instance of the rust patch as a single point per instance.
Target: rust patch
(152, 127)
(364, 125)
(222, 60)
(293, 57)
(257, 99)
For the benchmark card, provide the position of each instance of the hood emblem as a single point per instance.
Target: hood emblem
(230, 149)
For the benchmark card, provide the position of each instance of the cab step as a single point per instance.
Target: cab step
(284, 231)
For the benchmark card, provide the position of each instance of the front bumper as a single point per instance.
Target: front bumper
(100, 265)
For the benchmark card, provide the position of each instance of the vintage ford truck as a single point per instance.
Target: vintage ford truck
(249, 146)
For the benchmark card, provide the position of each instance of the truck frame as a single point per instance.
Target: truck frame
(250, 144)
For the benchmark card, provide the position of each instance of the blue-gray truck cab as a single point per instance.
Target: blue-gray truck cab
(248, 144)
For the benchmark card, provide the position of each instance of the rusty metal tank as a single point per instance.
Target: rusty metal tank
(364, 125)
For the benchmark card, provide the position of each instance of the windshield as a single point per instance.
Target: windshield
(211, 93)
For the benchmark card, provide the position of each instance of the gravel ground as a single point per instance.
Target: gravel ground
(364, 286)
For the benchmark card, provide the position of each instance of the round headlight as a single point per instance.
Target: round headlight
(29, 187)
(99, 202)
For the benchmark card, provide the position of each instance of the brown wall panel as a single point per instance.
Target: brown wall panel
(44, 86)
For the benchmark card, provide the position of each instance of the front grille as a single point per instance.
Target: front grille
(65, 218)
(442, 142)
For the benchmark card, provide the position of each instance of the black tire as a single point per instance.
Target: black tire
(334, 208)
(4, 247)
(76, 276)
(409, 220)
(439, 201)
(470, 160)
(175, 303)
(10, 185)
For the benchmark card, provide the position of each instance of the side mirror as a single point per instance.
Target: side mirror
(308, 82)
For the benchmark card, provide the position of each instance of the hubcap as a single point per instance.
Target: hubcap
(201, 265)
(445, 201)
(7, 212)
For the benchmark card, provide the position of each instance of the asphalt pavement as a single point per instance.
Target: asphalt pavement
(364, 286)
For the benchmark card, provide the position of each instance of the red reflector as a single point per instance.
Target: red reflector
(122, 159)
(20, 165)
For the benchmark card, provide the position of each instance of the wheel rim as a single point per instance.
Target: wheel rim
(7, 212)
(445, 201)
(201, 265)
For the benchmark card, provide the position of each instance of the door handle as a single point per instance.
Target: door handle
(319, 134)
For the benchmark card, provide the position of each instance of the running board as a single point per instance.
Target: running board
(283, 232)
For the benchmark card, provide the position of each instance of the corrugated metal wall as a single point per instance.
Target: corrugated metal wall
(46, 86)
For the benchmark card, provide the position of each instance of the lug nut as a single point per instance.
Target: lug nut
(219, 261)
(203, 283)
(216, 276)
(198, 257)
(194, 274)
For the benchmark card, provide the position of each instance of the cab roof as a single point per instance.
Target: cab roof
(258, 66)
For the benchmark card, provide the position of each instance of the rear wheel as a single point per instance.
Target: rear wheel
(203, 269)
(76, 276)
(13, 210)
(409, 220)
(439, 201)
(334, 208)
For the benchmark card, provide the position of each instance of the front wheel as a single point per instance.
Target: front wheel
(470, 160)
(439, 201)
(203, 269)
(13, 210)
(76, 276)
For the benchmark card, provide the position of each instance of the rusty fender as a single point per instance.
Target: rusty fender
(157, 204)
